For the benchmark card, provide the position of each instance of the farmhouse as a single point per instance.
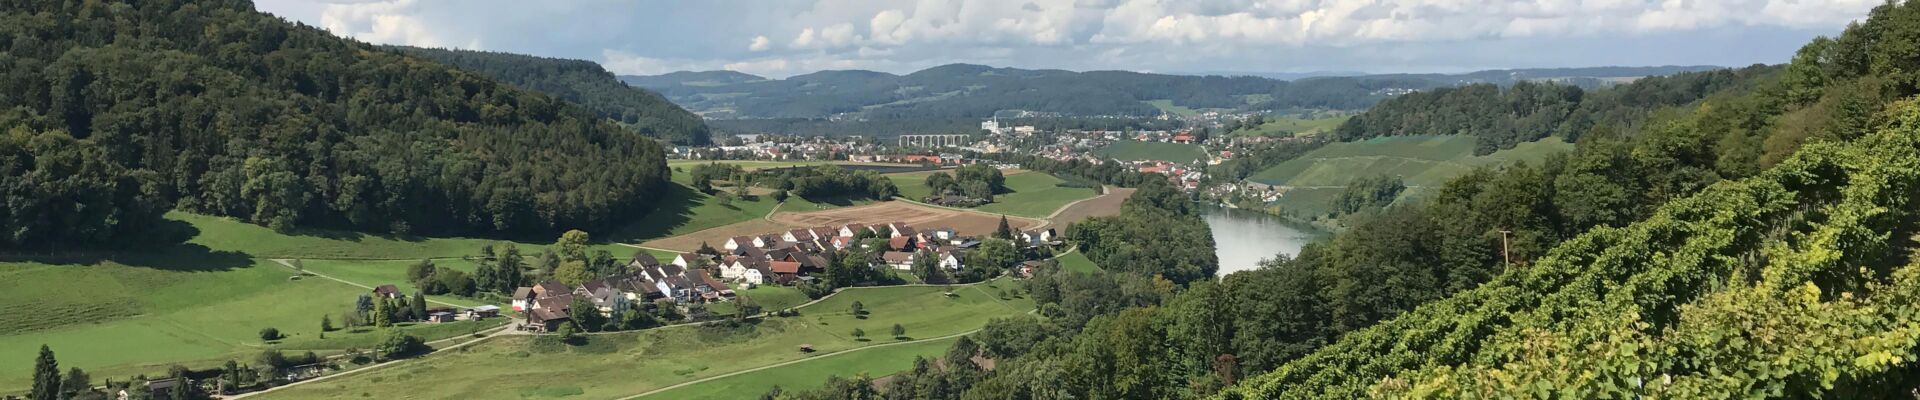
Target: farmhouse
(898, 259)
(387, 291)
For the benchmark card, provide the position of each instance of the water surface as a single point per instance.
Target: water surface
(1242, 238)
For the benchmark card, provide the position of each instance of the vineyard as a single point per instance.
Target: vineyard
(1795, 282)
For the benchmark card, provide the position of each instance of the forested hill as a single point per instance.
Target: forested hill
(1501, 117)
(228, 111)
(975, 91)
(1795, 278)
(584, 83)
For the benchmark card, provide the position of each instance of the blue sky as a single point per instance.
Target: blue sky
(779, 38)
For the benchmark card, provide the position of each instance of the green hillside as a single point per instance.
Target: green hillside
(1293, 126)
(1422, 162)
(1163, 151)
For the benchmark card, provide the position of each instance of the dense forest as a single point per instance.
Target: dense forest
(223, 110)
(584, 83)
(1501, 117)
(1751, 243)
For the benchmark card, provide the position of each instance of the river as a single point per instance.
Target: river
(1242, 238)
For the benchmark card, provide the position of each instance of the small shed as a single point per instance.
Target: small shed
(440, 317)
(483, 312)
(388, 291)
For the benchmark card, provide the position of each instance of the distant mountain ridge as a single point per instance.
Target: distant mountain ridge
(979, 91)
(580, 82)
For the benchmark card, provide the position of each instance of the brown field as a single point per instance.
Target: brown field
(717, 236)
(918, 216)
(1105, 205)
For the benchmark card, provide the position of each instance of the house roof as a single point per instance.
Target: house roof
(550, 288)
(522, 292)
(545, 314)
(906, 231)
(899, 242)
(561, 302)
(644, 258)
(897, 257)
(690, 257)
(713, 283)
(386, 289)
(801, 234)
(784, 267)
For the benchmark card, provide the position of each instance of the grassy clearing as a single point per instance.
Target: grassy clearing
(138, 315)
(1423, 162)
(1077, 262)
(616, 365)
(1163, 151)
(1293, 126)
(1030, 194)
(1035, 195)
(809, 375)
(226, 234)
(376, 273)
(1167, 106)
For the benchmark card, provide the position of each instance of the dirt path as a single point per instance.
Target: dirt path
(502, 331)
(284, 263)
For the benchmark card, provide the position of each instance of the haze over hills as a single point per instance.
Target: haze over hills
(976, 91)
(580, 82)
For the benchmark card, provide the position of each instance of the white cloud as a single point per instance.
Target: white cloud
(792, 36)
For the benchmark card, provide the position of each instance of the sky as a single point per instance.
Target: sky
(780, 38)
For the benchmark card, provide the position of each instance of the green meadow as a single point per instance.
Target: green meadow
(1422, 162)
(140, 314)
(811, 374)
(622, 364)
(1077, 262)
(1129, 150)
(1029, 194)
(1293, 126)
(1177, 110)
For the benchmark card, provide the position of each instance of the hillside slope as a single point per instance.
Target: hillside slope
(584, 83)
(243, 114)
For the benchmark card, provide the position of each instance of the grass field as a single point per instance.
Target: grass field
(376, 273)
(617, 365)
(226, 234)
(140, 314)
(1077, 262)
(810, 375)
(1177, 110)
(1293, 126)
(1163, 151)
(1422, 162)
(1035, 195)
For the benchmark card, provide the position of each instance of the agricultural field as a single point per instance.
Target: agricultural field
(964, 222)
(1129, 150)
(1106, 205)
(810, 374)
(622, 364)
(374, 273)
(1293, 126)
(1035, 195)
(139, 314)
(1422, 162)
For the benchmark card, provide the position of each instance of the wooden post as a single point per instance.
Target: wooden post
(1506, 254)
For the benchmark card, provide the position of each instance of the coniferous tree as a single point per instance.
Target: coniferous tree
(46, 376)
(419, 306)
(1005, 232)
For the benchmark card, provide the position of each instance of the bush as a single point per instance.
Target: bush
(269, 334)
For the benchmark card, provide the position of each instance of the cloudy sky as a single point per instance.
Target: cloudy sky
(779, 38)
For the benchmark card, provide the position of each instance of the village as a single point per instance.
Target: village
(784, 258)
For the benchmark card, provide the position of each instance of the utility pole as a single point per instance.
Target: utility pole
(1506, 254)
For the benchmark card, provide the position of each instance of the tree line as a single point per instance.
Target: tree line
(218, 109)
